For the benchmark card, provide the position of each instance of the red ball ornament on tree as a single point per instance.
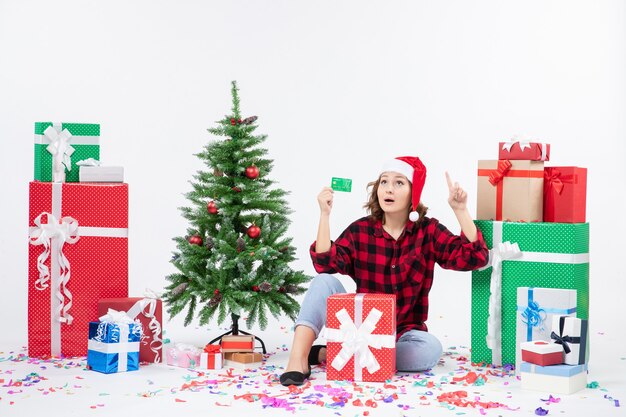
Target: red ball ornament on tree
(211, 207)
(255, 288)
(252, 172)
(195, 240)
(253, 231)
(217, 291)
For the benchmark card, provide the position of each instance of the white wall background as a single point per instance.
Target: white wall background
(338, 87)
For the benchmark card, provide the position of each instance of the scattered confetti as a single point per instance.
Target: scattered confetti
(455, 384)
(541, 412)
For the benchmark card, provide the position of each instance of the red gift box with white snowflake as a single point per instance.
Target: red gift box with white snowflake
(523, 150)
(78, 254)
(361, 337)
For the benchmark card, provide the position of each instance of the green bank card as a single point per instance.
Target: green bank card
(341, 184)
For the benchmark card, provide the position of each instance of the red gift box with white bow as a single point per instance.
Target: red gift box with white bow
(361, 337)
(78, 255)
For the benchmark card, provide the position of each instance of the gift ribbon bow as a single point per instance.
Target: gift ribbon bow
(61, 151)
(89, 162)
(212, 348)
(564, 340)
(496, 176)
(533, 315)
(357, 339)
(555, 179)
(53, 235)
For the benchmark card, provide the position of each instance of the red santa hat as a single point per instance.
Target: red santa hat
(415, 171)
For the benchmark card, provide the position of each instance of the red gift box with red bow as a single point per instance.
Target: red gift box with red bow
(565, 195)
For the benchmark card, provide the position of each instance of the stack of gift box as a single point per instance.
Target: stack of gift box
(532, 300)
(78, 257)
(234, 351)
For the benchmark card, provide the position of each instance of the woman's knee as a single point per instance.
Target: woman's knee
(418, 351)
(328, 281)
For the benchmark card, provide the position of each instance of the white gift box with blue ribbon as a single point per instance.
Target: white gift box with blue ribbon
(535, 309)
(561, 379)
(114, 344)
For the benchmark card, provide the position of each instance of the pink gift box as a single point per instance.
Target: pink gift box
(182, 355)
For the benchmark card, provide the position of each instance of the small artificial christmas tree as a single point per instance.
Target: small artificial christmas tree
(235, 257)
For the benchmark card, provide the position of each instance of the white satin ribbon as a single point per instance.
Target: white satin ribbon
(500, 252)
(510, 252)
(356, 338)
(89, 162)
(155, 327)
(61, 151)
(52, 235)
(116, 317)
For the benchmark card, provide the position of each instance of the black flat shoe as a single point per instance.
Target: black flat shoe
(294, 377)
(314, 354)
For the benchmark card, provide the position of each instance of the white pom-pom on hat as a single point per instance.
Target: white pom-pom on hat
(415, 171)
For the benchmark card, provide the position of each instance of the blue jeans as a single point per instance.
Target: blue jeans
(415, 350)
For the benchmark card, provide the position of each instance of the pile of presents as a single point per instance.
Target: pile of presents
(234, 351)
(530, 306)
(78, 302)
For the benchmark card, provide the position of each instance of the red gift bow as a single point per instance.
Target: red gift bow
(212, 348)
(557, 180)
(503, 167)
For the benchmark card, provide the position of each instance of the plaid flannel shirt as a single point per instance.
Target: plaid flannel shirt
(380, 264)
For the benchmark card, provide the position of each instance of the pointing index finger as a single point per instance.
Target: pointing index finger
(449, 181)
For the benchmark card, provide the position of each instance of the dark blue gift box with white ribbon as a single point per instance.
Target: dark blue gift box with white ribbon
(113, 347)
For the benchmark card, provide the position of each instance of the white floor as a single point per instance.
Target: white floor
(66, 388)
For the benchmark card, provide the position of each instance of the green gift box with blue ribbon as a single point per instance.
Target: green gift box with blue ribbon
(545, 255)
(59, 146)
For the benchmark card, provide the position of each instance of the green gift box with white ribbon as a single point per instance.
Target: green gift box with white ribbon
(59, 146)
(547, 255)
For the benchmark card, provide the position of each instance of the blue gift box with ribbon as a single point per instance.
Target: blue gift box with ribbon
(535, 309)
(113, 346)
